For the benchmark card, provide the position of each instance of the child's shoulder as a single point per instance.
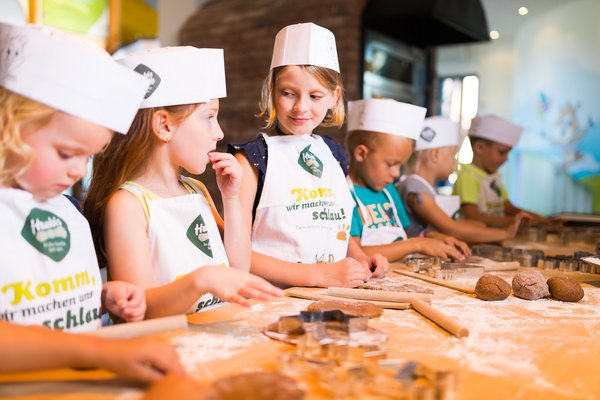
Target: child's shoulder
(257, 144)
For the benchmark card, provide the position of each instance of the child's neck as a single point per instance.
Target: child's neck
(479, 164)
(161, 178)
(356, 178)
(429, 175)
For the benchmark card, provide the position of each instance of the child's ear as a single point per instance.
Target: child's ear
(335, 96)
(360, 153)
(161, 126)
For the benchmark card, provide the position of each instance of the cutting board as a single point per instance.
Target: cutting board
(321, 293)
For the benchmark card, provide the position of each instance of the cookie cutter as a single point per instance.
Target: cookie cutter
(324, 326)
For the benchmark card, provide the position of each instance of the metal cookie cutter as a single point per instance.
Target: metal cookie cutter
(321, 325)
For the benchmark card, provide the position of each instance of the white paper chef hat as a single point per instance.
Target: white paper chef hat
(386, 116)
(497, 129)
(179, 75)
(66, 73)
(437, 132)
(305, 44)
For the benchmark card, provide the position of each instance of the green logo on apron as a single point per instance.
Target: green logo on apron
(198, 235)
(310, 162)
(48, 233)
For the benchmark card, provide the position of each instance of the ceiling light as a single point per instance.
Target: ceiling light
(523, 11)
(494, 34)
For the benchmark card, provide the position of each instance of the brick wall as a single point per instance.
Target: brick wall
(246, 30)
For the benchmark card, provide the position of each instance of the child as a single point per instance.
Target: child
(433, 160)
(156, 228)
(293, 185)
(381, 134)
(54, 115)
(482, 195)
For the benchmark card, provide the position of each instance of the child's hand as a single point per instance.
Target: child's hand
(345, 273)
(124, 300)
(437, 248)
(459, 244)
(378, 264)
(145, 359)
(235, 286)
(229, 173)
(513, 227)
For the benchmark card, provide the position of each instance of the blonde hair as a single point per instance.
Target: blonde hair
(125, 157)
(19, 116)
(329, 78)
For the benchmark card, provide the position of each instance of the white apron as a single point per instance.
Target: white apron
(449, 204)
(183, 236)
(49, 274)
(380, 235)
(305, 208)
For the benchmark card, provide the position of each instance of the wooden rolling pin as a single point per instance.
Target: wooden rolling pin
(439, 282)
(439, 318)
(378, 295)
(147, 327)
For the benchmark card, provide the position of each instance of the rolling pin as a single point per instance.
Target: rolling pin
(439, 318)
(378, 295)
(147, 327)
(450, 285)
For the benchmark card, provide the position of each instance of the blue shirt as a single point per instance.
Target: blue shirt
(380, 211)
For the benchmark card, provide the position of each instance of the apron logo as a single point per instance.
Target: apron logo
(198, 235)
(47, 233)
(310, 162)
(153, 78)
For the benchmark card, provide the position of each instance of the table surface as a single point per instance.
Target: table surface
(516, 349)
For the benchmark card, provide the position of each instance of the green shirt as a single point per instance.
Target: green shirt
(475, 186)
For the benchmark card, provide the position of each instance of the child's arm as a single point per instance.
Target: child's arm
(398, 250)
(428, 211)
(470, 211)
(128, 255)
(345, 273)
(29, 348)
(527, 216)
(236, 238)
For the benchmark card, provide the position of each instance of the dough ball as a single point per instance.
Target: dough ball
(256, 386)
(529, 285)
(355, 308)
(491, 287)
(565, 289)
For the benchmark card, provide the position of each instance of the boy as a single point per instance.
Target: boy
(483, 198)
(381, 137)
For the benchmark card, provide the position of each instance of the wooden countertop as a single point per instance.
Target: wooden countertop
(517, 349)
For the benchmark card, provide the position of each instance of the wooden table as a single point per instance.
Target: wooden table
(516, 349)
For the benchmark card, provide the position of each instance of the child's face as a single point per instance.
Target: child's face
(446, 161)
(197, 136)
(301, 101)
(381, 165)
(61, 150)
(489, 156)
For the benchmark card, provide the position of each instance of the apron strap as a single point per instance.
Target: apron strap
(195, 186)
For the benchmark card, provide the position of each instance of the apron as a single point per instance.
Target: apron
(490, 200)
(305, 208)
(182, 236)
(49, 273)
(449, 204)
(380, 235)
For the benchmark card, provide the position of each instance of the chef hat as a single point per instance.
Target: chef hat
(386, 116)
(68, 74)
(437, 132)
(305, 44)
(496, 129)
(179, 75)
